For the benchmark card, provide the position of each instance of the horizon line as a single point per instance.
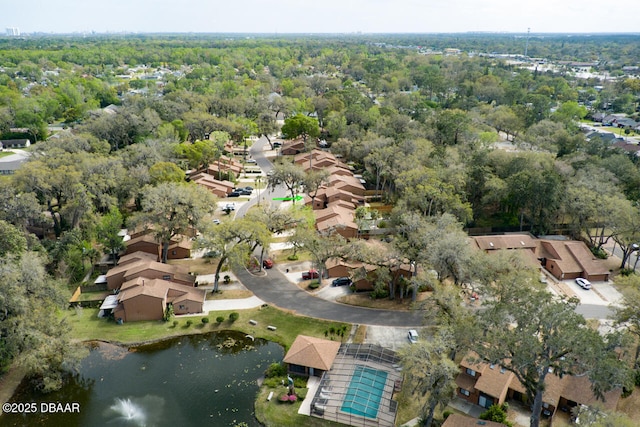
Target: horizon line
(311, 33)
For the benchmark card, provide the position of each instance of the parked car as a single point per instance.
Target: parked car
(267, 263)
(216, 221)
(245, 192)
(413, 336)
(248, 188)
(341, 281)
(229, 207)
(251, 161)
(234, 194)
(311, 274)
(583, 283)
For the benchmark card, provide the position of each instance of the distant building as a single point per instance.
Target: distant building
(13, 31)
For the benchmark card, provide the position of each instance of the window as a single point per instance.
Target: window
(181, 307)
(493, 365)
(464, 392)
(166, 277)
(471, 372)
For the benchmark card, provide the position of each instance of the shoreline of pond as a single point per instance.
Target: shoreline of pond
(11, 380)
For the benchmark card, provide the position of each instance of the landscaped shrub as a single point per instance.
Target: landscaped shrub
(302, 393)
(227, 279)
(175, 323)
(283, 398)
(300, 382)
(446, 414)
(314, 285)
(168, 313)
(599, 253)
(234, 316)
(205, 320)
(293, 398)
(220, 319)
(275, 370)
(626, 271)
(272, 382)
(189, 322)
(496, 413)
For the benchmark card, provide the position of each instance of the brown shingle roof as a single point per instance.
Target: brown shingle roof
(160, 289)
(494, 381)
(142, 287)
(576, 389)
(505, 241)
(137, 256)
(312, 352)
(589, 263)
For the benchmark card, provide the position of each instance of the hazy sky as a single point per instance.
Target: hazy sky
(326, 16)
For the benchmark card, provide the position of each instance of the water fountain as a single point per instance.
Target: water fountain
(129, 411)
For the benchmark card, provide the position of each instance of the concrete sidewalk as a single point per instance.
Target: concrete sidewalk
(232, 304)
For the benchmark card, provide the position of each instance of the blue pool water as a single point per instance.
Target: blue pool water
(364, 392)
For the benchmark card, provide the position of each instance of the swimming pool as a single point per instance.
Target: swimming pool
(365, 392)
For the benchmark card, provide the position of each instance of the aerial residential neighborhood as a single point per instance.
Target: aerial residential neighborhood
(365, 229)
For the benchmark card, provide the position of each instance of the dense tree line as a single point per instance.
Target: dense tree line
(420, 128)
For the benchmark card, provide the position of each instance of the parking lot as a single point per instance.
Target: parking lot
(388, 337)
(601, 293)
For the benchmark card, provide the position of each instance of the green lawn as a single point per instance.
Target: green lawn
(5, 153)
(87, 326)
(276, 414)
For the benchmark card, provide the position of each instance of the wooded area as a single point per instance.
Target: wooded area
(480, 137)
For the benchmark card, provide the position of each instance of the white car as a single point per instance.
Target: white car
(583, 283)
(413, 336)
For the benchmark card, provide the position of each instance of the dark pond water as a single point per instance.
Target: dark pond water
(205, 380)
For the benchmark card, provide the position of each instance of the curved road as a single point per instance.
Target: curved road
(276, 289)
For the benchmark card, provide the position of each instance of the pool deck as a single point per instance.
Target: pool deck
(312, 384)
(338, 380)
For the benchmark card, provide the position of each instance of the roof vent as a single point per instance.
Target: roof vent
(481, 423)
(521, 242)
(491, 244)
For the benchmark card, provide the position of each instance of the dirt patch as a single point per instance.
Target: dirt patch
(364, 300)
(197, 266)
(230, 294)
(631, 405)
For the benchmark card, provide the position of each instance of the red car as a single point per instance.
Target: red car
(267, 263)
(311, 274)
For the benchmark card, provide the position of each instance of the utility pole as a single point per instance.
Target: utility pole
(526, 45)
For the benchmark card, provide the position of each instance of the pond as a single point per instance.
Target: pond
(188, 381)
